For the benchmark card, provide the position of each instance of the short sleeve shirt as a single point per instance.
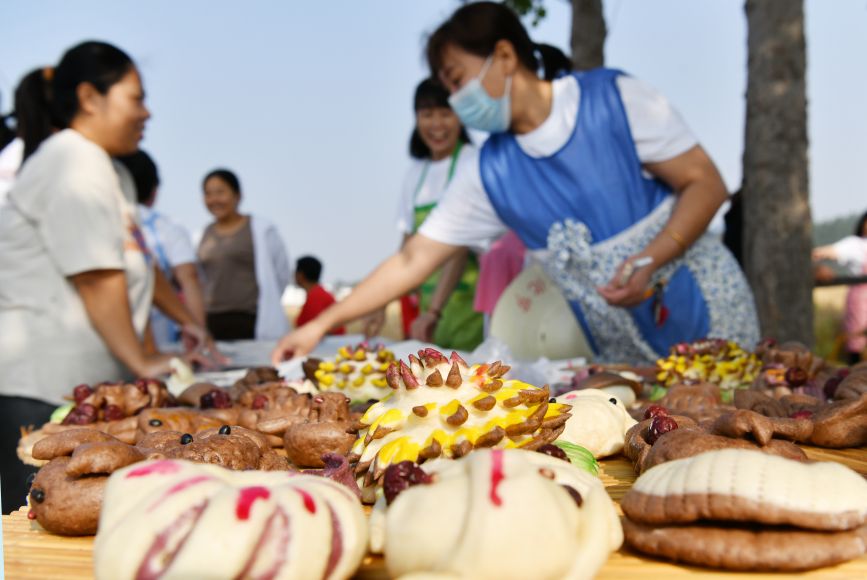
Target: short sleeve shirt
(166, 238)
(852, 254)
(422, 187)
(65, 215)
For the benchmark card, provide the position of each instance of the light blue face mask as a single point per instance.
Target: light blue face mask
(478, 110)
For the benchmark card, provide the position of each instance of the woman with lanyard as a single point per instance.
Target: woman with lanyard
(439, 146)
(600, 179)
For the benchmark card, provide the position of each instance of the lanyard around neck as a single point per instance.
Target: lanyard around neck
(452, 165)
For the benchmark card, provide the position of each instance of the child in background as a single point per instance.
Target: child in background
(307, 273)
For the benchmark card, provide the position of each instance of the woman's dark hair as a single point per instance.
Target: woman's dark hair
(225, 175)
(859, 227)
(144, 174)
(430, 94)
(32, 109)
(555, 63)
(98, 63)
(477, 27)
(6, 133)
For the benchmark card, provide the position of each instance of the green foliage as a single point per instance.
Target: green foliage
(535, 9)
(827, 324)
(830, 231)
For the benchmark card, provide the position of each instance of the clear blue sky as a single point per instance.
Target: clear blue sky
(310, 102)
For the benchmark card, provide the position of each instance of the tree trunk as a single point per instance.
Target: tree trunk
(777, 223)
(588, 34)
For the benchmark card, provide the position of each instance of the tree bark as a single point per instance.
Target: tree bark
(777, 222)
(588, 34)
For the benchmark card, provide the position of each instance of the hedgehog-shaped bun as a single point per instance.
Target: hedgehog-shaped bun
(358, 372)
(440, 406)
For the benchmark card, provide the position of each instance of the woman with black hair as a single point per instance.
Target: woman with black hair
(439, 147)
(76, 281)
(851, 253)
(245, 266)
(601, 180)
(32, 124)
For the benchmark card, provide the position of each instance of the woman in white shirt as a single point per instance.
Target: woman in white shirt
(851, 253)
(76, 282)
(440, 147)
(600, 179)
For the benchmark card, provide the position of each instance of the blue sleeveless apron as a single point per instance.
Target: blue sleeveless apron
(588, 207)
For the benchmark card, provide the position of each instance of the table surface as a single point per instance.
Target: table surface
(31, 553)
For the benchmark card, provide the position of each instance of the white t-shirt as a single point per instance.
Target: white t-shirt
(417, 193)
(10, 161)
(852, 254)
(163, 234)
(465, 216)
(66, 214)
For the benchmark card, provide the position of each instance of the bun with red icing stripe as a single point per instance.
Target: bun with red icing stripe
(176, 519)
(496, 514)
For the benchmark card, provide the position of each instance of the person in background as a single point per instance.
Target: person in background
(7, 134)
(308, 271)
(501, 264)
(599, 177)
(439, 147)
(733, 236)
(169, 243)
(76, 284)
(851, 253)
(32, 125)
(245, 266)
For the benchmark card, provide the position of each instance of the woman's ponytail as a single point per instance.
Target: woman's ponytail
(33, 109)
(553, 62)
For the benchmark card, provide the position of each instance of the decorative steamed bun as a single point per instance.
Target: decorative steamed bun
(500, 514)
(358, 372)
(599, 421)
(716, 361)
(175, 519)
(441, 407)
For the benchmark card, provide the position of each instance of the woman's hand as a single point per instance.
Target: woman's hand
(197, 341)
(824, 253)
(629, 292)
(424, 326)
(155, 366)
(299, 342)
(159, 365)
(193, 336)
(373, 323)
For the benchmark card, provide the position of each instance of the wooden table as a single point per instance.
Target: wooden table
(31, 553)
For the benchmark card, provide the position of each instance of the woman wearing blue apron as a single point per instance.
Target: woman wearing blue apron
(601, 180)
